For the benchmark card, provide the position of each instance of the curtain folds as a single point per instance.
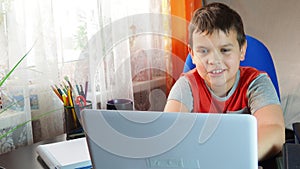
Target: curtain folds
(134, 53)
(121, 48)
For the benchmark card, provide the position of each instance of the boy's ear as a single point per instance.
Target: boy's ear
(243, 51)
(191, 53)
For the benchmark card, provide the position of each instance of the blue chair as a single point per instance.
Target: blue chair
(257, 56)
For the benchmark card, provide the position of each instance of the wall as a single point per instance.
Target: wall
(277, 24)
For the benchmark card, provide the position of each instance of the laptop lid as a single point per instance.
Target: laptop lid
(156, 140)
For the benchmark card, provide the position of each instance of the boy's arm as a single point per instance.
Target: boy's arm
(175, 106)
(271, 131)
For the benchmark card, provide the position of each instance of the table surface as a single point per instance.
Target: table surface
(26, 157)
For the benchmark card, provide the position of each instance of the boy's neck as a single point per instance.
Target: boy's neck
(222, 91)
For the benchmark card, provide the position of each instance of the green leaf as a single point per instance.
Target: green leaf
(12, 70)
(28, 121)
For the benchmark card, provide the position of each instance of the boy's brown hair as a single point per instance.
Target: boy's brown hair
(217, 16)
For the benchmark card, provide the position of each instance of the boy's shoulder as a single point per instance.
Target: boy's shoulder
(247, 70)
(249, 73)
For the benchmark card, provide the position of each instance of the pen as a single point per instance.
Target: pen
(72, 105)
(67, 79)
(63, 88)
(65, 100)
(60, 91)
(77, 87)
(81, 91)
(57, 93)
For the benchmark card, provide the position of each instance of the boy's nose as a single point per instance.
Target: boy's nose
(215, 58)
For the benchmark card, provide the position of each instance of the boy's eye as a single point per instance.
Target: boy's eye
(203, 51)
(224, 50)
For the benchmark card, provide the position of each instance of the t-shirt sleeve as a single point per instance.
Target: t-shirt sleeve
(261, 92)
(182, 92)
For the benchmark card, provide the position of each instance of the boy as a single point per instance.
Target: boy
(218, 84)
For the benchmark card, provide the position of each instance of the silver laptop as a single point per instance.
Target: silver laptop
(156, 140)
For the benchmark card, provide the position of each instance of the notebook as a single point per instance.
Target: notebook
(68, 154)
(157, 140)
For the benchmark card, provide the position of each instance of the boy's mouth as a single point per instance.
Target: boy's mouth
(216, 71)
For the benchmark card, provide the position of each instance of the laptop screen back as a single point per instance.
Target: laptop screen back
(157, 140)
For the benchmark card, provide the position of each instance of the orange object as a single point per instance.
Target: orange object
(182, 11)
(57, 93)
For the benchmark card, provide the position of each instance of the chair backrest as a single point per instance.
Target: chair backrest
(257, 56)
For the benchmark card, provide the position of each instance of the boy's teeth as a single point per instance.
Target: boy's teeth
(216, 71)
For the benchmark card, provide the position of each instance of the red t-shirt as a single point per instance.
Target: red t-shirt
(204, 102)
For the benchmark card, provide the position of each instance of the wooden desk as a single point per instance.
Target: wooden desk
(26, 157)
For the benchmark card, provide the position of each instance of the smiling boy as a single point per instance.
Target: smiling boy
(218, 84)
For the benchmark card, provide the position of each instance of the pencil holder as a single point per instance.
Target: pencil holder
(72, 126)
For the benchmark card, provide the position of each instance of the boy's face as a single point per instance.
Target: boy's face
(217, 58)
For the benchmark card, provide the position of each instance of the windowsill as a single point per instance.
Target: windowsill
(148, 84)
(139, 86)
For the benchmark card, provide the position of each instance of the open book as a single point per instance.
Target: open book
(66, 154)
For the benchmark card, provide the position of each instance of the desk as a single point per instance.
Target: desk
(26, 157)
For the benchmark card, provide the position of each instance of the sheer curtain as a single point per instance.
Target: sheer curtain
(133, 39)
(30, 25)
(121, 48)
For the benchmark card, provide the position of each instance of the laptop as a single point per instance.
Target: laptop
(156, 140)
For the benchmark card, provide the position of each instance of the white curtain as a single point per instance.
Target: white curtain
(30, 24)
(112, 45)
(131, 52)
